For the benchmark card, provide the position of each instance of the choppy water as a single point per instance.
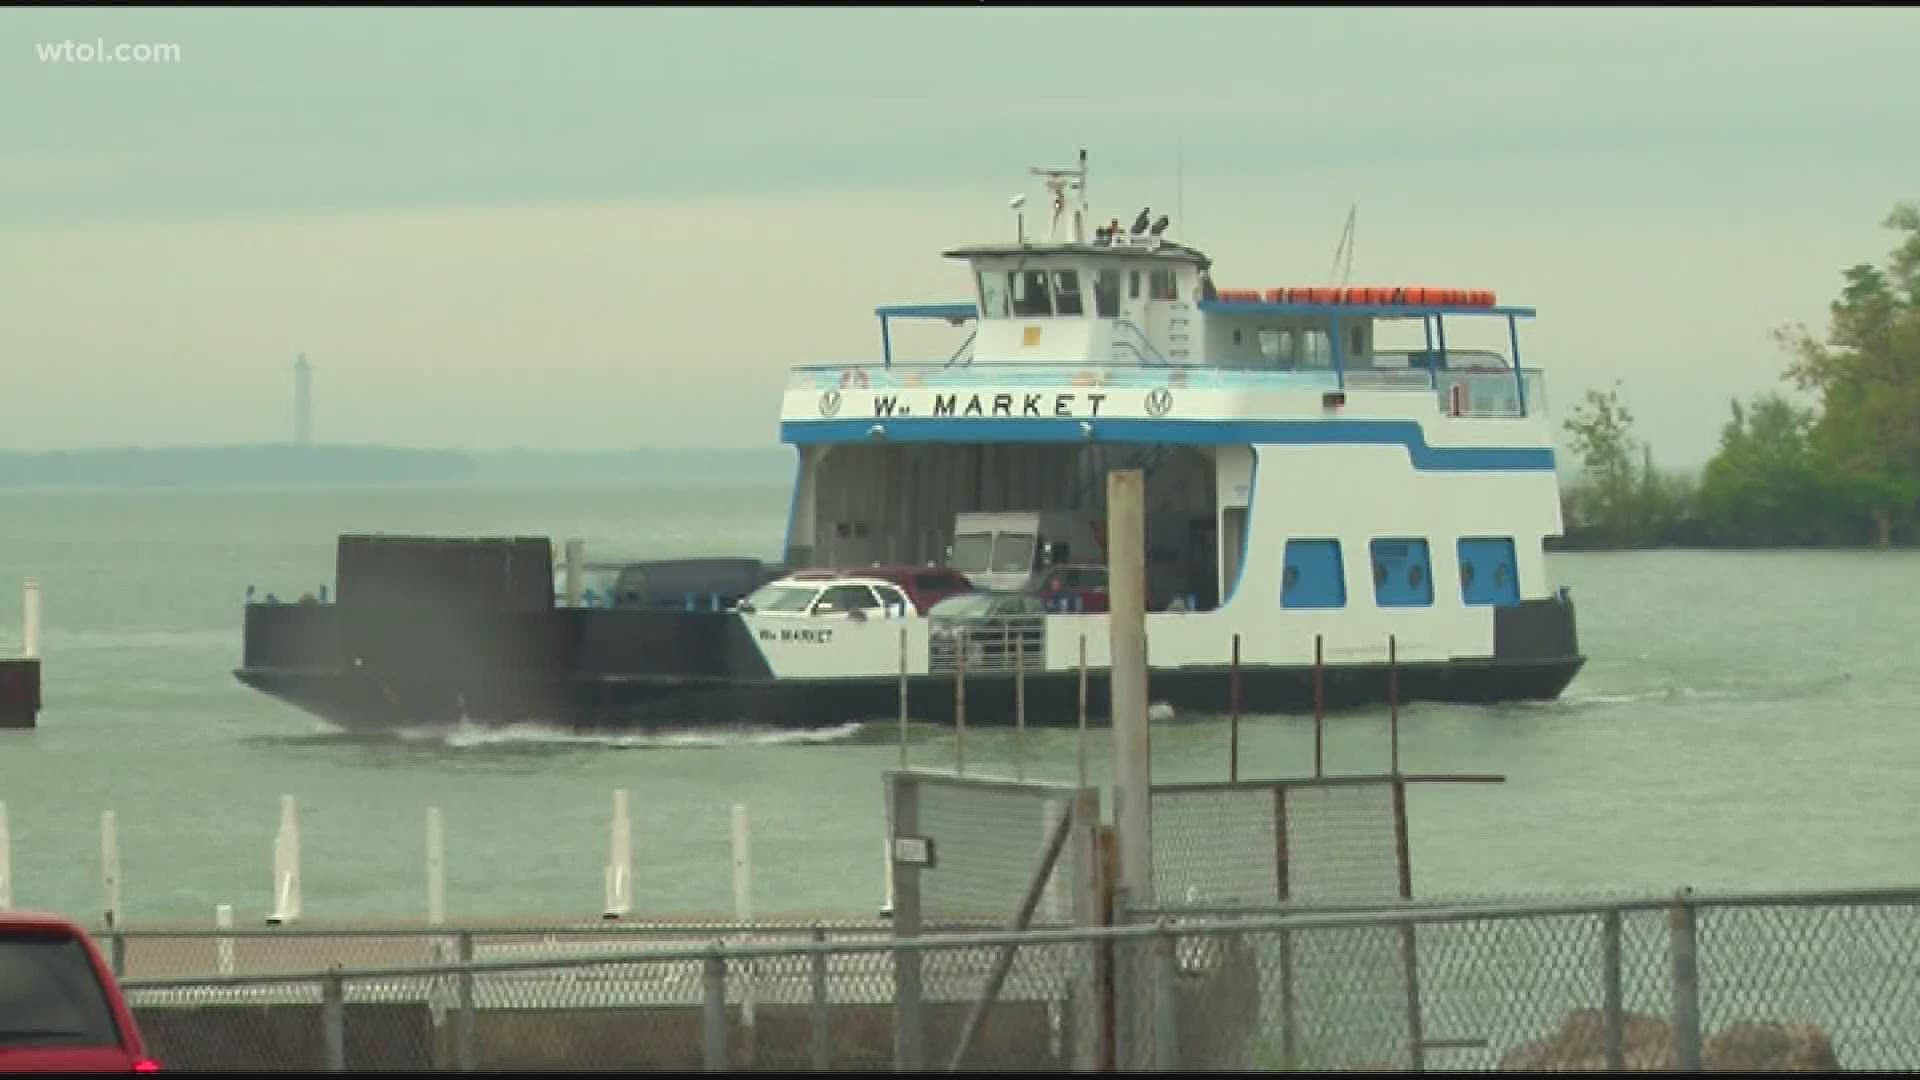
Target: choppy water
(1746, 721)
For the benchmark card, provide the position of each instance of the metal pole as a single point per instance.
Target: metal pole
(223, 950)
(1166, 1002)
(909, 1025)
(818, 1011)
(713, 1016)
(1684, 946)
(960, 704)
(1393, 701)
(333, 1021)
(743, 907)
(110, 867)
(903, 697)
(6, 862)
(1233, 717)
(1127, 629)
(1082, 750)
(30, 619)
(1319, 706)
(1020, 710)
(1610, 990)
(465, 1021)
(436, 869)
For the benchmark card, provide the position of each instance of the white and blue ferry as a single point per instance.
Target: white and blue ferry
(1324, 473)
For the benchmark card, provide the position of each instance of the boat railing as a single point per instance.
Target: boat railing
(1490, 391)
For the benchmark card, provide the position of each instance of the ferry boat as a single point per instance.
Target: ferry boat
(1326, 502)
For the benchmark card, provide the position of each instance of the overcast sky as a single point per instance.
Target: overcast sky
(600, 228)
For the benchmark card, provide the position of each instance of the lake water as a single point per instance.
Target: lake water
(1746, 720)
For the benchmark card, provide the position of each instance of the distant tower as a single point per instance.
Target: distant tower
(302, 401)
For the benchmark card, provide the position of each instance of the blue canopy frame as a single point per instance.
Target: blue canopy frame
(956, 312)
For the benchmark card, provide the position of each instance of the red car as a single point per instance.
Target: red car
(924, 585)
(1073, 587)
(61, 1010)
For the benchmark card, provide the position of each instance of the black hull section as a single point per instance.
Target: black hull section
(381, 668)
(1052, 700)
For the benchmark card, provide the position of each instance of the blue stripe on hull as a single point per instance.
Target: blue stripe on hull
(1407, 433)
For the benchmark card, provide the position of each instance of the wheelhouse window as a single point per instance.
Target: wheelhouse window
(1029, 293)
(1160, 286)
(1066, 293)
(1133, 284)
(1106, 294)
(783, 598)
(993, 295)
(846, 598)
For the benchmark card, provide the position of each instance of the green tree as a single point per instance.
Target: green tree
(1867, 373)
(1766, 486)
(1620, 498)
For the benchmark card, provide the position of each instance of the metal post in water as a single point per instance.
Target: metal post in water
(1127, 628)
(6, 862)
(286, 865)
(1319, 705)
(619, 872)
(110, 867)
(903, 697)
(30, 619)
(743, 904)
(960, 704)
(223, 948)
(576, 572)
(1020, 710)
(1082, 751)
(1393, 701)
(436, 869)
(1233, 716)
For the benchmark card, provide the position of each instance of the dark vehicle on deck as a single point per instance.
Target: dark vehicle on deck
(996, 630)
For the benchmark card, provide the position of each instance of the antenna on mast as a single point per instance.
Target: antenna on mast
(1344, 274)
(1059, 181)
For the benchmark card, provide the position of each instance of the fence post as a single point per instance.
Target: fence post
(223, 948)
(1610, 990)
(465, 1022)
(1289, 1023)
(818, 1012)
(743, 911)
(1126, 962)
(1166, 1000)
(436, 869)
(909, 1031)
(333, 1021)
(6, 863)
(713, 1025)
(1683, 947)
(110, 867)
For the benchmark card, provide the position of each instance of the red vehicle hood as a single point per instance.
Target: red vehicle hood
(66, 1059)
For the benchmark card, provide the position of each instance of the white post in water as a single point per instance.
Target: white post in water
(223, 949)
(743, 903)
(286, 865)
(110, 866)
(619, 871)
(576, 571)
(1127, 629)
(6, 862)
(30, 619)
(436, 869)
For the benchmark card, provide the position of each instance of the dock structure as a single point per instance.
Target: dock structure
(20, 676)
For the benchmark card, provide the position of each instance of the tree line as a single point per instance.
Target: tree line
(1842, 471)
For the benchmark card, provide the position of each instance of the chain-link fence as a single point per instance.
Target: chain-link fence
(1747, 983)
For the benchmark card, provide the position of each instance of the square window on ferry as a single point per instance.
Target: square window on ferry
(1160, 286)
(1106, 294)
(993, 295)
(1066, 293)
(1030, 294)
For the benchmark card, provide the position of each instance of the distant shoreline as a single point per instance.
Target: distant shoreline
(384, 466)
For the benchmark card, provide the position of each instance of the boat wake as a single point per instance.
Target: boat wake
(537, 736)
